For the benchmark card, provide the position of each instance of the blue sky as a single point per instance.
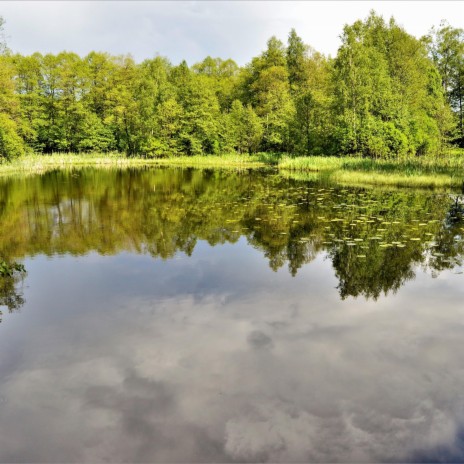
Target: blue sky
(195, 29)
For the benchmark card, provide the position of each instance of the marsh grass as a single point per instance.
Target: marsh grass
(395, 179)
(431, 172)
(445, 164)
(435, 172)
(34, 163)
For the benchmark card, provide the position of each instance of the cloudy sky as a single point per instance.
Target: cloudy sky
(195, 29)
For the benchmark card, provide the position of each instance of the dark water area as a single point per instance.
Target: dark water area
(173, 315)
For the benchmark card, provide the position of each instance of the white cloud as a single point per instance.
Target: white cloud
(193, 30)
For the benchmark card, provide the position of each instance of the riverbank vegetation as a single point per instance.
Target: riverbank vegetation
(386, 95)
(437, 172)
(38, 163)
(443, 172)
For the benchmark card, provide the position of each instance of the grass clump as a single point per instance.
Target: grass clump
(395, 179)
(445, 171)
(310, 163)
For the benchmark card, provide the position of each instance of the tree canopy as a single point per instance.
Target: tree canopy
(386, 94)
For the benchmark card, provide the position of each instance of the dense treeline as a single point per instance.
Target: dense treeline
(386, 94)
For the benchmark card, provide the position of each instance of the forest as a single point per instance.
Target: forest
(385, 95)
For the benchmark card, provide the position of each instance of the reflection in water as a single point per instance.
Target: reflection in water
(10, 295)
(211, 355)
(374, 238)
(10, 275)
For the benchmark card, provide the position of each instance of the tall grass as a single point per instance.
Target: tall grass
(310, 163)
(436, 172)
(234, 160)
(35, 163)
(447, 164)
(443, 171)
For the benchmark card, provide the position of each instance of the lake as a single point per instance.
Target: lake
(177, 315)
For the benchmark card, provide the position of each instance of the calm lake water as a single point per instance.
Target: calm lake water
(195, 316)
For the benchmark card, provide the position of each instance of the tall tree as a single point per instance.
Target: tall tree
(388, 101)
(312, 126)
(446, 47)
(246, 128)
(265, 86)
(296, 61)
(11, 141)
(199, 132)
(223, 78)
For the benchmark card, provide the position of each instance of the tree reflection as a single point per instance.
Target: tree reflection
(10, 294)
(374, 238)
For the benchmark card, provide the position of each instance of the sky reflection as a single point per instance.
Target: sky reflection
(215, 357)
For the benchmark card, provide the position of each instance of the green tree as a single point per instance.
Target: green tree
(223, 75)
(165, 141)
(296, 55)
(28, 88)
(199, 133)
(11, 141)
(152, 90)
(264, 84)
(385, 95)
(246, 128)
(124, 117)
(312, 125)
(446, 47)
(388, 102)
(63, 86)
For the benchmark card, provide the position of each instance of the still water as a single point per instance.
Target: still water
(196, 316)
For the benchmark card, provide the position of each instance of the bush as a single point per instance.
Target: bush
(11, 144)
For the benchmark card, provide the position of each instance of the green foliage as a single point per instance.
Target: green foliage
(246, 129)
(222, 77)
(446, 48)
(385, 95)
(296, 55)
(11, 144)
(312, 126)
(428, 172)
(10, 269)
(387, 98)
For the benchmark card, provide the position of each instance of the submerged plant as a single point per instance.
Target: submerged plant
(10, 269)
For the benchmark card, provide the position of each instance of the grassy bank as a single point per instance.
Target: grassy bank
(31, 164)
(446, 171)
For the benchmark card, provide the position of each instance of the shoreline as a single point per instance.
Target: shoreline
(446, 172)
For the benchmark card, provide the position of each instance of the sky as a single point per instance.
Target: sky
(192, 30)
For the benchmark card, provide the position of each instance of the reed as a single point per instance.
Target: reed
(431, 172)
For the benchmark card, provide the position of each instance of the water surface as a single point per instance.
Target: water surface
(196, 316)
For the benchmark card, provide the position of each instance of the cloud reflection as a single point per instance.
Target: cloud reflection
(281, 372)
